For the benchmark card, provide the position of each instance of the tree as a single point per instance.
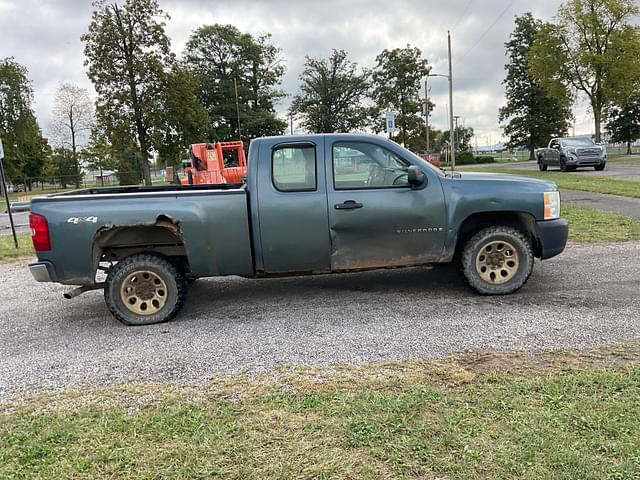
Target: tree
(463, 137)
(99, 154)
(127, 54)
(591, 48)
(24, 146)
(233, 65)
(624, 123)
(533, 116)
(331, 94)
(185, 121)
(61, 165)
(396, 86)
(73, 118)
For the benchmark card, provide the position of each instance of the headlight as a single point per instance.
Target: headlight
(551, 205)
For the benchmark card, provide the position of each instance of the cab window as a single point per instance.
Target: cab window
(293, 168)
(358, 165)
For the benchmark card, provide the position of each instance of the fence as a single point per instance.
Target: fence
(23, 188)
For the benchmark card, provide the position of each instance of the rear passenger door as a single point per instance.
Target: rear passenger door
(293, 208)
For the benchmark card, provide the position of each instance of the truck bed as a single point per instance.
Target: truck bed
(211, 222)
(148, 189)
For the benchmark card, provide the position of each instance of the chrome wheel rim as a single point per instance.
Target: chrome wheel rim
(143, 292)
(497, 262)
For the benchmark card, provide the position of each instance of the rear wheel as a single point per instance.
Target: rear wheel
(144, 289)
(497, 260)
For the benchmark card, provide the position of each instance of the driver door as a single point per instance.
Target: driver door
(375, 218)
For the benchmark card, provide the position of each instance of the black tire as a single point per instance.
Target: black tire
(541, 165)
(471, 254)
(171, 286)
(600, 167)
(563, 165)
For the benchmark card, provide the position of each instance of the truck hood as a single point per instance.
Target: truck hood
(506, 179)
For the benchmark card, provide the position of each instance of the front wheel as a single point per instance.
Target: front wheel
(541, 165)
(563, 165)
(144, 289)
(600, 167)
(497, 260)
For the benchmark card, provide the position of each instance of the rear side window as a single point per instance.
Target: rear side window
(293, 168)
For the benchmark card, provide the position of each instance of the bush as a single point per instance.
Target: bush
(467, 158)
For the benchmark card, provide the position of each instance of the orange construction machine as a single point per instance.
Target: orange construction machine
(215, 163)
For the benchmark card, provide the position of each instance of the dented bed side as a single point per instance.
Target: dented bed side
(211, 226)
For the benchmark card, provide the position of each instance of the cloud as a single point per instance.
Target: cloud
(48, 44)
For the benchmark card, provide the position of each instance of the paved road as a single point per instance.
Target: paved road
(628, 172)
(609, 203)
(586, 297)
(20, 220)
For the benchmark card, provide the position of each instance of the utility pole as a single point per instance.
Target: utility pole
(291, 122)
(6, 195)
(453, 134)
(235, 85)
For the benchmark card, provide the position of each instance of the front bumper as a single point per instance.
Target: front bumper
(586, 161)
(41, 271)
(553, 236)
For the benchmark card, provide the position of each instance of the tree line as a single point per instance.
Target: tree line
(590, 51)
(226, 84)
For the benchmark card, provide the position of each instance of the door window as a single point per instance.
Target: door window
(293, 168)
(359, 165)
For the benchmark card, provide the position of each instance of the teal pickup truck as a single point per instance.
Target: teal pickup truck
(312, 204)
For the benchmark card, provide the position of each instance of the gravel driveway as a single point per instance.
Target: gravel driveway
(588, 296)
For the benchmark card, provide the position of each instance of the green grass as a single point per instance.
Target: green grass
(8, 251)
(573, 180)
(589, 225)
(480, 416)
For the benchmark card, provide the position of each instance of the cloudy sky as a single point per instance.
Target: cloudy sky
(44, 35)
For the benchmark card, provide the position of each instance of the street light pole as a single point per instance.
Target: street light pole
(426, 110)
(455, 128)
(453, 135)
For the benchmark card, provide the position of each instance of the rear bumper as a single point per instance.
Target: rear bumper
(42, 271)
(553, 236)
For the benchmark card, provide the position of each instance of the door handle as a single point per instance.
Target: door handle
(348, 205)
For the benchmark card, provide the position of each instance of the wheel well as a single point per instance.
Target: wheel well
(525, 222)
(164, 237)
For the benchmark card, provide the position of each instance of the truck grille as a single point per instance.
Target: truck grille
(589, 152)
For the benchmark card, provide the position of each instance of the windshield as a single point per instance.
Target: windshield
(577, 142)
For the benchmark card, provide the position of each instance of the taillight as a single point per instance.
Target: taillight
(39, 232)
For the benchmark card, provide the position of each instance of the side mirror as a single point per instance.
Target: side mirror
(416, 177)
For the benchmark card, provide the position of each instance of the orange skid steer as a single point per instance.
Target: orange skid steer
(215, 163)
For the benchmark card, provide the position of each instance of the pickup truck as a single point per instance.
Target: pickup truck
(570, 153)
(311, 204)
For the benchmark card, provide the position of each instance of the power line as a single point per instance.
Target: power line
(464, 14)
(486, 31)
